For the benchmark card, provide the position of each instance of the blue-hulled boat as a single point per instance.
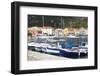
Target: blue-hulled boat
(68, 54)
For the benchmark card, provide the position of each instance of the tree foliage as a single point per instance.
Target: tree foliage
(57, 21)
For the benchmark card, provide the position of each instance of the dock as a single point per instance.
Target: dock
(33, 55)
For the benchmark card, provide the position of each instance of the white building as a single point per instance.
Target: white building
(47, 30)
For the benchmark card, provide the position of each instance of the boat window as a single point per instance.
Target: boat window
(83, 44)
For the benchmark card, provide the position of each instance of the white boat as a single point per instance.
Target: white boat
(38, 46)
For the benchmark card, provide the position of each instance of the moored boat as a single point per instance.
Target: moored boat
(69, 47)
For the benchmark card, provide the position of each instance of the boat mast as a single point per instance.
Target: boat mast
(43, 21)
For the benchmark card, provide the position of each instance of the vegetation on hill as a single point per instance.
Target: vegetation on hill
(57, 21)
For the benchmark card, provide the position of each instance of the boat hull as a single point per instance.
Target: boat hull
(75, 54)
(53, 51)
(69, 54)
(83, 55)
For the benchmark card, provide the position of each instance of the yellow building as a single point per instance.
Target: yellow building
(68, 30)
